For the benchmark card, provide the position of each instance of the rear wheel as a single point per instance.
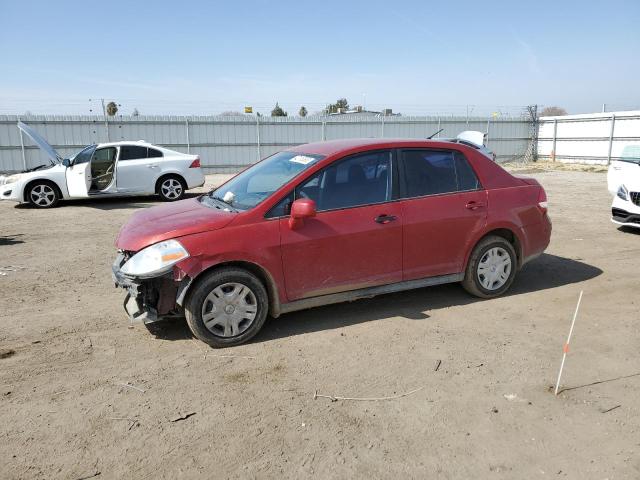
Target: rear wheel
(491, 269)
(43, 194)
(171, 188)
(227, 308)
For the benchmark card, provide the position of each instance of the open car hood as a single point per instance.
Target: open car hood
(40, 142)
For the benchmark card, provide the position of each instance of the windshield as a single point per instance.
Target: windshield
(83, 155)
(258, 182)
(631, 153)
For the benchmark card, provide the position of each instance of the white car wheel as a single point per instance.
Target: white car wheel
(43, 195)
(171, 189)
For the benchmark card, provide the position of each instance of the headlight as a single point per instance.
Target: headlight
(156, 259)
(10, 179)
(623, 193)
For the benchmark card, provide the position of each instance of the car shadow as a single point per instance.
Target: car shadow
(10, 239)
(631, 230)
(547, 272)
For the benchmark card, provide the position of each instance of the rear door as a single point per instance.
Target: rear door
(136, 172)
(443, 207)
(355, 240)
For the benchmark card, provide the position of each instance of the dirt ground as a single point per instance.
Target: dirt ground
(82, 395)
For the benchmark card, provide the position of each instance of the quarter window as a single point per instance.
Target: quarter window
(432, 172)
(153, 153)
(359, 180)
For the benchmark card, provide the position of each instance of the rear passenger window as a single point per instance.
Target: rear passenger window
(132, 152)
(432, 172)
(467, 179)
(153, 153)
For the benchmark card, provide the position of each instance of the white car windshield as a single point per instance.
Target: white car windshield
(260, 181)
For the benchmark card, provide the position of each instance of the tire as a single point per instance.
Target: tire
(235, 315)
(171, 188)
(43, 194)
(480, 278)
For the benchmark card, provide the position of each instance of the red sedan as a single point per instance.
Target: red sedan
(330, 222)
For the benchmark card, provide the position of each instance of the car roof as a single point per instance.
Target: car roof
(330, 147)
(140, 143)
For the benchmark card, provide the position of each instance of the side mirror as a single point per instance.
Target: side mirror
(301, 209)
(66, 162)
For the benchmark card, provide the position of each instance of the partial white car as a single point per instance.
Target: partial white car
(474, 139)
(102, 171)
(623, 180)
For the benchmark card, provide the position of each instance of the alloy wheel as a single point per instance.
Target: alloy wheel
(171, 188)
(42, 195)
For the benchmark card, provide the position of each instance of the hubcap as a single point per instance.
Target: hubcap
(229, 309)
(42, 195)
(494, 268)
(171, 188)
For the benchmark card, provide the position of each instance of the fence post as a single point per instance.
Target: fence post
(24, 157)
(382, 130)
(555, 136)
(186, 126)
(324, 133)
(438, 129)
(258, 135)
(488, 125)
(613, 122)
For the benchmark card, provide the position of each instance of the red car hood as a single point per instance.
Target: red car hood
(173, 220)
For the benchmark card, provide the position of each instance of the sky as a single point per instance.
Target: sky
(415, 57)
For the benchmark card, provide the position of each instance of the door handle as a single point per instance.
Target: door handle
(155, 165)
(383, 219)
(474, 205)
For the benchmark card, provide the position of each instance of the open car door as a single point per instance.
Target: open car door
(79, 173)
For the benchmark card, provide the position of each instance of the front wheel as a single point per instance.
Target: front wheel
(171, 189)
(491, 268)
(43, 194)
(227, 308)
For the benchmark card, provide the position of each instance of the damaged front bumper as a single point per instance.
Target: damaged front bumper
(148, 300)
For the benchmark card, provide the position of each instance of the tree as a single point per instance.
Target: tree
(278, 111)
(135, 113)
(112, 109)
(553, 112)
(341, 103)
(303, 111)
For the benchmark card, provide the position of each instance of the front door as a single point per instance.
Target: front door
(79, 174)
(444, 207)
(355, 240)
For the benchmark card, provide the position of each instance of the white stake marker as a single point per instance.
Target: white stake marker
(565, 347)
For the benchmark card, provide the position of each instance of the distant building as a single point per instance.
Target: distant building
(360, 111)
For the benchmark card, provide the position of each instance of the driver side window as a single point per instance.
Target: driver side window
(362, 179)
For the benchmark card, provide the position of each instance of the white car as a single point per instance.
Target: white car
(623, 179)
(103, 170)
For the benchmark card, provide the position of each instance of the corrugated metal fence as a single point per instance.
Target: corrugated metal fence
(595, 138)
(226, 144)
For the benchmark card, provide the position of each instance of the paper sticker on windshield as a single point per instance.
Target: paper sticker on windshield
(303, 159)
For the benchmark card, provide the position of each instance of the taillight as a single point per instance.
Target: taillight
(542, 200)
(195, 163)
